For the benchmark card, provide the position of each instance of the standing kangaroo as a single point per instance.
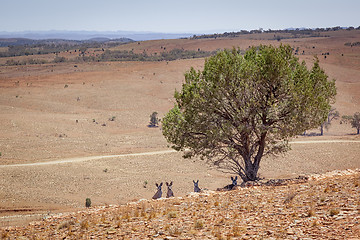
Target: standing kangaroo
(170, 192)
(196, 186)
(159, 192)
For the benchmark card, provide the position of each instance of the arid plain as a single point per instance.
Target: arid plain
(59, 114)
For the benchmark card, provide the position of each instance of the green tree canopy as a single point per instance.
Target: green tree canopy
(241, 108)
(355, 122)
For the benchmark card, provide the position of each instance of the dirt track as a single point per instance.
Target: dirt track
(81, 159)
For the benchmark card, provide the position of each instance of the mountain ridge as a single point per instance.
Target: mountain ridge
(86, 35)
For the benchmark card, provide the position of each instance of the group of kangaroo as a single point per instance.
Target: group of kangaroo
(170, 192)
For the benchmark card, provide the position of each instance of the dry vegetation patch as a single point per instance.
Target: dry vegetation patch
(327, 208)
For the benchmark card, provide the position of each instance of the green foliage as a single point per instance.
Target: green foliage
(174, 54)
(346, 118)
(88, 202)
(355, 122)
(13, 62)
(241, 108)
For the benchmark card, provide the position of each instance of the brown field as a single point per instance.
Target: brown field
(56, 112)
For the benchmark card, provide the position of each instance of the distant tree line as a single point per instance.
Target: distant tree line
(56, 46)
(351, 44)
(293, 33)
(117, 55)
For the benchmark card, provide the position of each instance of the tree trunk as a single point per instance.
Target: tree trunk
(252, 168)
(322, 130)
(358, 130)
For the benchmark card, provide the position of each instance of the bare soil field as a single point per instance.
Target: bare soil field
(61, 112)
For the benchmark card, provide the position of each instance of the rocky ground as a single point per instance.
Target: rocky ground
(318, 207)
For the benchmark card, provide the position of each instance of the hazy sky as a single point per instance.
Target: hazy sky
(175, 16)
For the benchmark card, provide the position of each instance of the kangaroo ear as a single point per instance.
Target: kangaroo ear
(197, 181)
(161, 184)
(232, 179)
(236, 178)
(194, 181)
(167, 184)
(156, 184)
(171, 183)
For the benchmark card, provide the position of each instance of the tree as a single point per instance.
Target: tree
(333, 114)
(241, 108)
(355, 122)
(154, 121)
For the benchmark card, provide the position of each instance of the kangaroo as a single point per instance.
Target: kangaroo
(230, 186)
(159, 192)
(170, 192)
(196, 186)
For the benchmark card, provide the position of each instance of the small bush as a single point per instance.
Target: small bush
(199, 224)
(334, 212)
(88, 202)
(172, 214)
(290, 197)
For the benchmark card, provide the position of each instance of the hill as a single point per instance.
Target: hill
(323, 207)
(62, 105)
(7, 42)
(85, 35)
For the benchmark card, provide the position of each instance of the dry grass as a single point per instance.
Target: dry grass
(306, 216)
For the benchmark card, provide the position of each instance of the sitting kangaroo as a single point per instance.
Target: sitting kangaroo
(196, 186)
(170, 192)
(159, 192)
(230, 186)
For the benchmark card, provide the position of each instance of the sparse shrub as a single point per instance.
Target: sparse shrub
(145, 183)
(315, 223)
(311, 212)
(105, 170)
(356, 181)
(66, 86)
(59, 59)
(112, 118)
(236, 231)
(88, 202)
(199, 224)
(66, 224)
(290, 197)
(4, 234)
(334, 212)
(175, 231)
(84, 224)
(172, 214)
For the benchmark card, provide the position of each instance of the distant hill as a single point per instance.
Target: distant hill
(86, 35)
(6, 42)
